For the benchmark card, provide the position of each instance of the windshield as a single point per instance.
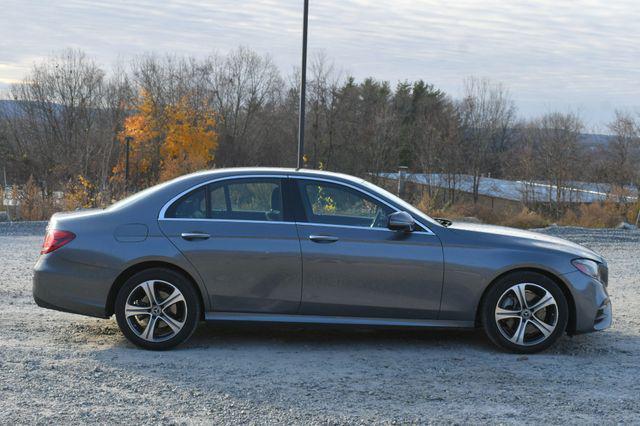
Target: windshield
(400, 202)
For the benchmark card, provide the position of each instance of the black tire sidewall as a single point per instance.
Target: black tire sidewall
(500, 286)
(181, 283)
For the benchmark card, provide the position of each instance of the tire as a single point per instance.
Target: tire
(173, 315)
(544, 313)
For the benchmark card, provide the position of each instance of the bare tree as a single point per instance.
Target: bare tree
(243, 83)
(487, 113)
(624, 150)
(557, 151)
(55, 128)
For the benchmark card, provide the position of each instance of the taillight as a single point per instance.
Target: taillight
(56, 239)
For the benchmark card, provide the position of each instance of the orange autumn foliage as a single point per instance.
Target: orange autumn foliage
(190, 140)
(166, 141)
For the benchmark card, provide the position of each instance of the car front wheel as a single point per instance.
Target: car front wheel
(157, 309)
(525, 312)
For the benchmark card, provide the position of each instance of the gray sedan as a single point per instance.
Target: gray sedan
(302, 246)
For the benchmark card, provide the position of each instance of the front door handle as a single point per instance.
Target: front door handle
(323, 238)
(189, 236)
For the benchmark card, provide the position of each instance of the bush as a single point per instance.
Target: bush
(595, 215)
(34, 205)
(79, 195)
(607, 214)
(526, 219)
(633, 212)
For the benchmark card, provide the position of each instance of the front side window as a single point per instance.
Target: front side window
(339, 205)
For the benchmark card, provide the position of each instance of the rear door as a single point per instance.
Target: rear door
(238, 235)
(355, 266)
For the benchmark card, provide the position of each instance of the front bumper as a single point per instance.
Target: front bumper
(593, 310)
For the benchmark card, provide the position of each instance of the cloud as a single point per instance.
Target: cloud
(557, 55)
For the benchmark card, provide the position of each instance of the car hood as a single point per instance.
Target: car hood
(528, 238)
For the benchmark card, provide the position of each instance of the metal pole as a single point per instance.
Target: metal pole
(303, 86)
(402, 175)
(126, 164)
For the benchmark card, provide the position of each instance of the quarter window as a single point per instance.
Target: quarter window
(338, 205)
(191, 206)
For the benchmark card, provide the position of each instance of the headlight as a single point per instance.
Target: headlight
(591, 268)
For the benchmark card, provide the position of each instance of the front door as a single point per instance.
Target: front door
(236, 234)
(355, 266)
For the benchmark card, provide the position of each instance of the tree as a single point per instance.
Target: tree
(190, 140)
(146, 128)
(487, 114)
(167, 141)
(558, 153)
(624, 156)
(243, 85)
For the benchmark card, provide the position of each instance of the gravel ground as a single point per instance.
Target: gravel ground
(63, 368)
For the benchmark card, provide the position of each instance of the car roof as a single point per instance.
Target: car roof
(276, 171)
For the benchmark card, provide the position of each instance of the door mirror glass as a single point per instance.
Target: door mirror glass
(401, 221)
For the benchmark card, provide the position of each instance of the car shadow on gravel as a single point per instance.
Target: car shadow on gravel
(235, 337)
(218, 336)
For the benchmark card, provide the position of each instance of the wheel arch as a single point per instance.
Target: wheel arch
(141, 266)
(571, 325)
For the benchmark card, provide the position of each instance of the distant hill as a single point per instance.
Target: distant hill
(9, 107)
(593, 140)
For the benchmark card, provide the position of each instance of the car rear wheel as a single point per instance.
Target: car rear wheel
(525, 312)
(157, 309)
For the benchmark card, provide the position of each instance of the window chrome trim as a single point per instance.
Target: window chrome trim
(166, 206)
(331, 225)
(178, 219)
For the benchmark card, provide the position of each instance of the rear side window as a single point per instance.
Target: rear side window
(258, 199)
(191, 206)
(248, 199)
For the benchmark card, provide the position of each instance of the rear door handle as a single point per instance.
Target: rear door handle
(323, 238)
(189, 236)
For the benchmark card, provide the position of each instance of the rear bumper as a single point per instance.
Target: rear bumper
(72, 287)
(593, 310)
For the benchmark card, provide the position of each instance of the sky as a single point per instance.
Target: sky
(553, 55)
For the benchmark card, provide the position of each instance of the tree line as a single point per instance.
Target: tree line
(70, 120)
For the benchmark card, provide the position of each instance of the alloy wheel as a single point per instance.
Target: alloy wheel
(526, 314)
(156, 310)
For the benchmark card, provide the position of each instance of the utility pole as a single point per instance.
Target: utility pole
(303, 86)
(128, 140)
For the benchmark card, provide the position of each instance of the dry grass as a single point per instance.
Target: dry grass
(526, 219)
(596, 215)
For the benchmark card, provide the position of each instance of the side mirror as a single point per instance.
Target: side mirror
(401, 221)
